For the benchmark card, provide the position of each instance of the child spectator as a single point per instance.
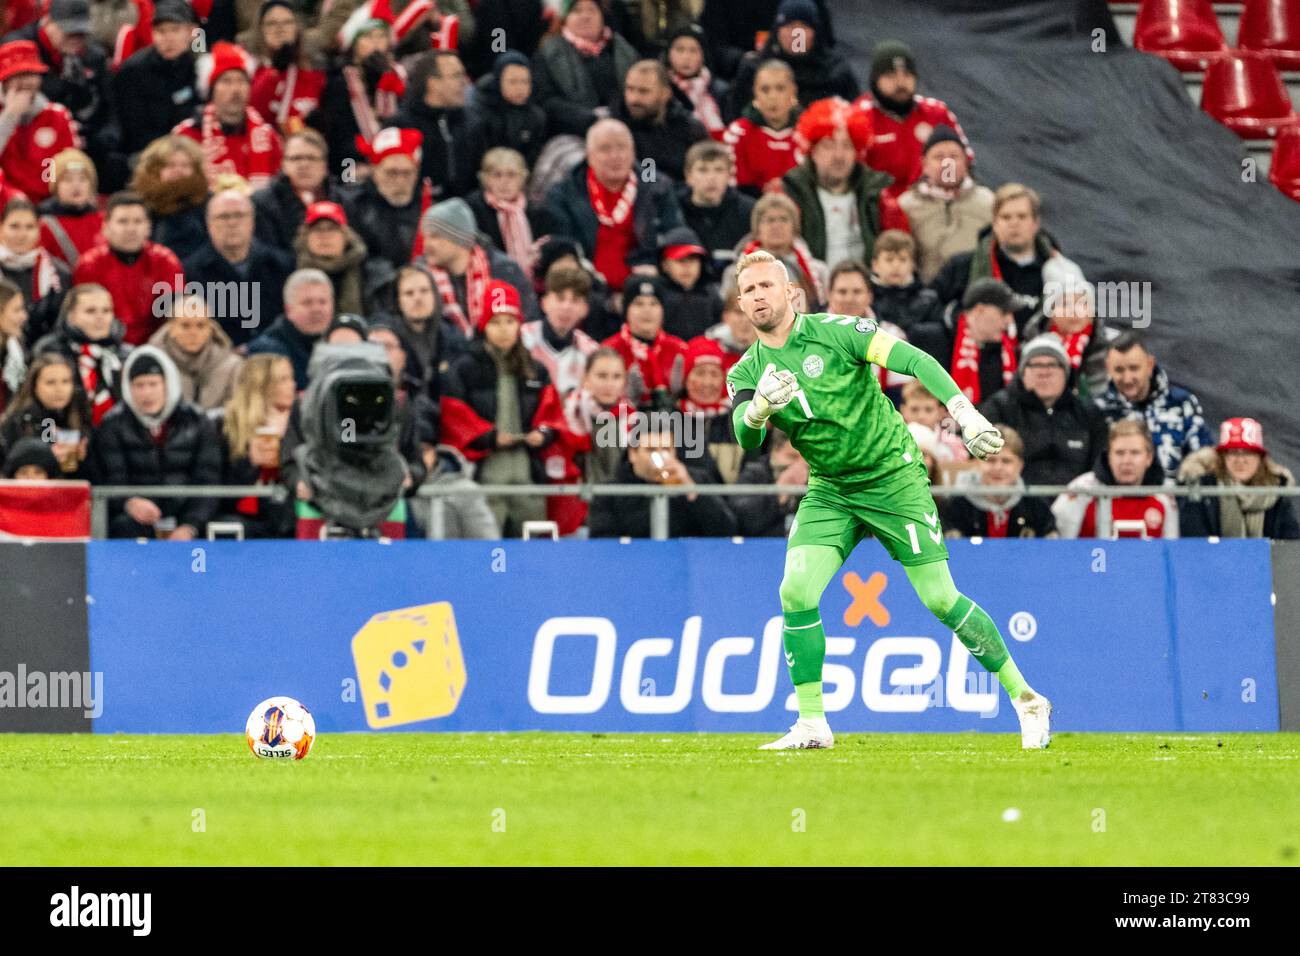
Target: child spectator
(131, 267)
(88, 335)
(556, 341)
(505, 110)
(253, 424)
(717, 212)
(201, 352)
(155, 438)
(921, 408)
(735, 333)
(1240, 458)
(41, 277)
(1129, 459)
(13, 353)
(686, 65)
(994, 504)
(562, 252)
(70, 219)
(31, 460)
(692, 303)
(170, 182)
(51, 408)
(897, 293)
(652, 356)
(762, 139)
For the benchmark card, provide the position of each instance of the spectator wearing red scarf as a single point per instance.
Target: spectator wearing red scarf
(654, 359)
(578, 72)
(1070, 312)
(234, 136)
(976, 344)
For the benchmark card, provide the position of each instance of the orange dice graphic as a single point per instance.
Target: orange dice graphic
(409, 665)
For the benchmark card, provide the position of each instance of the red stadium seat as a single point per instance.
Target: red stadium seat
(1184, 32)
(1244, 92)
(1284, 171)
(1272, 27)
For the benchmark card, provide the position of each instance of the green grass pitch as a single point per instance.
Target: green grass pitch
(649, 799)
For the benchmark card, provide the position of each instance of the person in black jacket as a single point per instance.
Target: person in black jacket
(309, 310)
(652, 459)
(731, 26)
(385, 210)
(303, 179)
(717, 212)
(974, 343)
(155, 89)
(504, 108)
(797, 37)
(1240, 458)
(995, 505)
(692, 302)
(659, 116)
(1063, 434)
(580, 71)
(897, 295)
(453, 141)
(153, 438)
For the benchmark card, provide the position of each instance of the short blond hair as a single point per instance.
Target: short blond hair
(757, 258)
(1130, 427)
(1009, 191)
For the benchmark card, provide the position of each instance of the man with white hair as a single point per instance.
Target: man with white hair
(813, 377)
(308, 312)
(241, 276)
(616, 213)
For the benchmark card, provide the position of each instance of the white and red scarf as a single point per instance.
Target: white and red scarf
(218, 158)
(97, 367)
(707, 409)
(966, 359)
(805, 259)
(45, 278)
(611, 218)
(1075, 343)
(368, 115)
(477, 277)
(705, 107)
(516, 233)
(590, 48)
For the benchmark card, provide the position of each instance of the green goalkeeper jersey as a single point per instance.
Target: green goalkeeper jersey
(839, 419)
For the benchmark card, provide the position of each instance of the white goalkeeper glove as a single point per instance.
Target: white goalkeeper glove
(774, 391)
(981, 438)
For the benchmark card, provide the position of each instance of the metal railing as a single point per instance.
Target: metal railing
(659, 495)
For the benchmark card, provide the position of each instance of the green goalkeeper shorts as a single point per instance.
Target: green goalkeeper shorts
(904, 517)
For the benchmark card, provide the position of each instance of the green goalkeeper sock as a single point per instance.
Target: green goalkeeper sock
(976, 630)
(805, 652)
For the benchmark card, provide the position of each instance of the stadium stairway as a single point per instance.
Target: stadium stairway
(1139, 185)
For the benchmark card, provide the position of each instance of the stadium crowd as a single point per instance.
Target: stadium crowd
(534, 208)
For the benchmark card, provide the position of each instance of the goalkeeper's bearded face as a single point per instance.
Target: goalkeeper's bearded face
(765, 294)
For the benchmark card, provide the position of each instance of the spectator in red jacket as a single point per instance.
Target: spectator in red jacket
(901, 121)
(32, 129)
(762, 139)
(844, 203)
(234, 136)
(71, 221)
(288, 83)
(653, 358)
(139, 274)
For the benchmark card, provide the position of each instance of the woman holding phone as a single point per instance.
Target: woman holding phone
(50, 406)
(253, 424)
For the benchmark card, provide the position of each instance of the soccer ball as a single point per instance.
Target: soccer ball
(280, 728)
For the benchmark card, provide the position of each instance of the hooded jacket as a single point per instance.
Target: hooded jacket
(1073, 512)
(522, 128)
(1201, 519)
(177, 446)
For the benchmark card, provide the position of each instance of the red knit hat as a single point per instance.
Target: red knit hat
(824, 117)
(391, 141)
(701, 350)
(223, 58)
(500, 298)
(20, 56)
(1241, 433)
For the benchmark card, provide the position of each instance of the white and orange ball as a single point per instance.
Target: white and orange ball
(280, 728)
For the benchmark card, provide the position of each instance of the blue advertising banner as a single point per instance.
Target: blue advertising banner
(669, 636)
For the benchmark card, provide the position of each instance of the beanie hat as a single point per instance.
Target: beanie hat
(70, 159)
(943, 133)
(145, 365)
(1240, 433)
(223, 58)
(798, 11)
(1062, 277)
(349, 320)
(701, 350)
(174, 11)
(31, 451)
(638, 285)
(269, 5)
(500, 298)
(886, 55)
(510, 58)
(452, 219)
(993, 292)
(1049, 344)
(688, 29)
(825, 117)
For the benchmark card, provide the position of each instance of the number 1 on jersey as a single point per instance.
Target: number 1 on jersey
(798, 393)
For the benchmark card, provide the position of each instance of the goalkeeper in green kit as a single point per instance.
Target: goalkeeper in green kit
(812, 376)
